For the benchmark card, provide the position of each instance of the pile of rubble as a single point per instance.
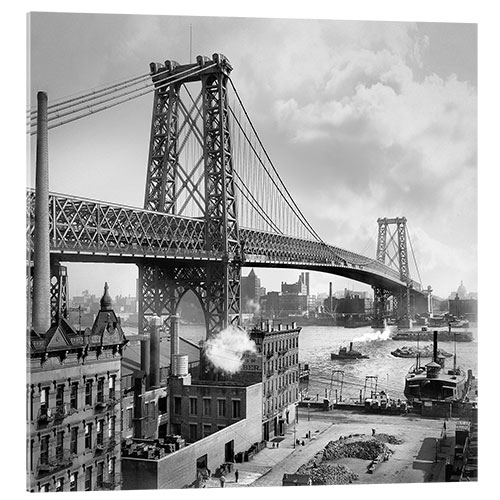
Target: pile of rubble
(328, 474)
(389, 438)
(323, 472)
(363, 449)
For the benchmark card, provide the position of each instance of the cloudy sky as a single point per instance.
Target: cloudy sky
(362, 120)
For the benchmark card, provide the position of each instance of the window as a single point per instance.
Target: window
(177, 405)
(60, 395)
(73, 446)
(112, 386)
(130, 421)
(59, 484)
(88, 478)
(111, 469)
(44, 488)
(88, 393)
(193, 406)
(73, 480)
(207, 430)
(74, 395)
(32, 444)
(100, 390)
(162, 405)
(207, 406)
(44, 450)
(44, 401)
(88, 436)
(100, 433)
(111, 427)
(236, 408)
(152, 410)
(59, 444)
(221, 407)
(193, 432)
(99, 475)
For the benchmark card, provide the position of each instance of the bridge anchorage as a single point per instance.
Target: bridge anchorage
(213, 203)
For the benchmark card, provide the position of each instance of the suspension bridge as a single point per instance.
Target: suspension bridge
(214, 202)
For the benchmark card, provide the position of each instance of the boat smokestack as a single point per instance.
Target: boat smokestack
(41, 319)
(435, 347)
(154, 351)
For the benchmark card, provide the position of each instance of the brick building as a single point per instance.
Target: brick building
(73, 403)
(279, 348)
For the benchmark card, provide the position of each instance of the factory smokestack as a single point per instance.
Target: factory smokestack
(145, 352)
(41, 319)
(330, 297)
(174, 337)
(154, 351)
(435, 346)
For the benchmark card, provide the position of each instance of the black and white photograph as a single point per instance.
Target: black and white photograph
(252, 252)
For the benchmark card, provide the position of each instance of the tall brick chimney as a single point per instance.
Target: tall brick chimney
(41, 256)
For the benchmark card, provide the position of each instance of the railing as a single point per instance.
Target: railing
(50, 465)
(111, 483)
(53, 415)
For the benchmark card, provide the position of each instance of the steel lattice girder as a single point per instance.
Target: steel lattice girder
(88, 225)
(83, 225)
(399, 258)
(162, 288)
(161, 177)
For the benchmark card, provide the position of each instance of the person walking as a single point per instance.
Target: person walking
(222, 481)
(236, 475)
(373, 432)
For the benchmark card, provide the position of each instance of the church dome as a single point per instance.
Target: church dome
(106, 301)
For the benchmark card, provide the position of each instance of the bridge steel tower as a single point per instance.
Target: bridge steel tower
(207, 183)
(392, 250)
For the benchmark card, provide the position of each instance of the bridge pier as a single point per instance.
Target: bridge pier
(216, 284)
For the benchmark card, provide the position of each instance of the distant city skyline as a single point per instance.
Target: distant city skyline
(127, 288)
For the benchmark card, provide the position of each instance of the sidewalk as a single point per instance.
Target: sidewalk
(267, 467)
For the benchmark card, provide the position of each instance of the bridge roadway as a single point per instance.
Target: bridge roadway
(85, 230)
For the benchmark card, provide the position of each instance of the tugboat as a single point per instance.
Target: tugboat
(348, 354)
(425, 352)
(432, 388)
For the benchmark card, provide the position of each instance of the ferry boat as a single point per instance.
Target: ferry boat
(348, 354)
(412, 352)
(434, 384)
(425, 334)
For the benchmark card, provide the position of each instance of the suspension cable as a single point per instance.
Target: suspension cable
(57, 103)
(413, 254)
(165, 81)
(298, 211)
(139, 94)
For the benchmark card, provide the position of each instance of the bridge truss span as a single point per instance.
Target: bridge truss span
(91, 230)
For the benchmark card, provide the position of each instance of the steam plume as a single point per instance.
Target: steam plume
(372, 336)
(225, 350)
(253, 306)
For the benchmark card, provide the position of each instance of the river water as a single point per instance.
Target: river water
(317, 342)
(386, 371)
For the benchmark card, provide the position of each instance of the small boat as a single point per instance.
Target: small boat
(425, 352)
(348, 354)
